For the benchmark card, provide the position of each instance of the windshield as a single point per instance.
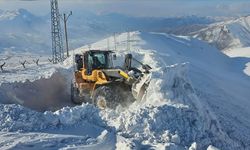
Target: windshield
(100, 60)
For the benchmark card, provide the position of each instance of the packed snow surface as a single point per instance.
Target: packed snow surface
(198, 99)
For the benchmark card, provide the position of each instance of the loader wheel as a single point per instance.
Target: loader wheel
(75, 98)
(105, 97)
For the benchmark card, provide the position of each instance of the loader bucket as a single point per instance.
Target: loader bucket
(139, 88)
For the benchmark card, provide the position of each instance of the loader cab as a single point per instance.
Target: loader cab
(97, 59)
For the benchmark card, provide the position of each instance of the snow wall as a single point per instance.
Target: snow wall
(43, 94)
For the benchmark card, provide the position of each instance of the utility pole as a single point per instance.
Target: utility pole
(65, 19)
(128, 41)
(57, 44)
(115, 40)
(89, 46)
(108, 44)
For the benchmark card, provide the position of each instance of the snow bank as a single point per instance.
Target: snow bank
(13, 71)
(43, 87)
(18, 118)
(171, 116)
(80, 127)
(43, 94)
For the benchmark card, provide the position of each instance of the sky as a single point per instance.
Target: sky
(144, 8)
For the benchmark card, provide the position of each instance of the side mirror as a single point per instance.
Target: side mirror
(114, 57)
(79, 62)
(77, 58)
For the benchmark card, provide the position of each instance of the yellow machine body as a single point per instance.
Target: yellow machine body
(90, 82)
(97, 81)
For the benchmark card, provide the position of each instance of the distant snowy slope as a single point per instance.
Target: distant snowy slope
(240, 53)
(23, 31)
(231, 36)
(233, 33)
(7, 15)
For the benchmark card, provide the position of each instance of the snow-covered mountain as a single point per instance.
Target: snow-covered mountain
(198, 98)
(226, 35)
(23, 31)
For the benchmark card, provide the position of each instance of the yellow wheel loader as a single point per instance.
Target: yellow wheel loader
(97, 81)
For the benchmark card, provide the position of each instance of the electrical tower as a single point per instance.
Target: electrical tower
(57, 44)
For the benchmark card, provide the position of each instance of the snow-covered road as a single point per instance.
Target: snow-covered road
(198, 97)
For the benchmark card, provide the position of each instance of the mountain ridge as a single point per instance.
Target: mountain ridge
(83, 28)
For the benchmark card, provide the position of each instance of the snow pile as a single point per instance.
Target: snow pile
(18, 118)
(79, 127)
(171, 117)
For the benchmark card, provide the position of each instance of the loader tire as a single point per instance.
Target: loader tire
(75, 98)
(106, 97)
